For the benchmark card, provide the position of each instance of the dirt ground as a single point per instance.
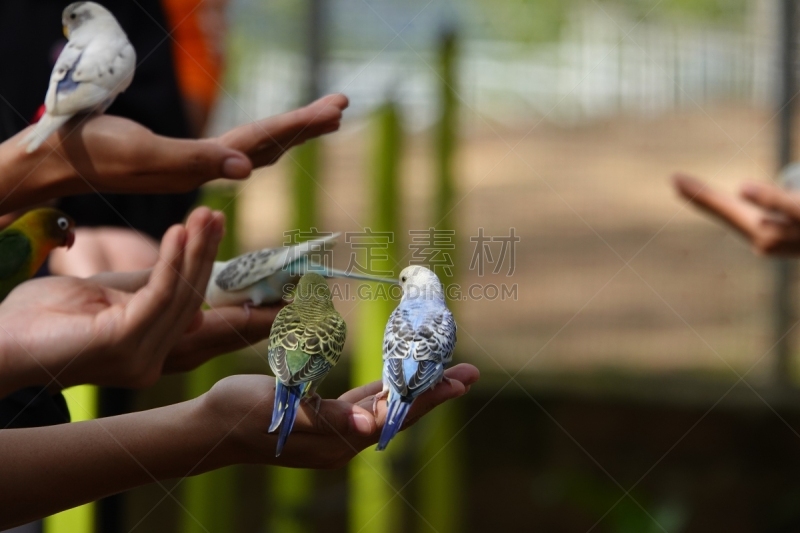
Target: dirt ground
(613, 271)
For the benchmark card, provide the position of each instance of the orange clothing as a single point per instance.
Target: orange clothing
(196, 50)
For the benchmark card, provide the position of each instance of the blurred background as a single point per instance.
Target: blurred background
(636, 357)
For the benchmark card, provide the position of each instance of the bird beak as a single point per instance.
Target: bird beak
(70, 240)
(66, 31)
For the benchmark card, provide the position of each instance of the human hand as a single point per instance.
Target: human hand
(265, 141)
(68, 331)
(112, 154)
(329, 438)
(765, 214)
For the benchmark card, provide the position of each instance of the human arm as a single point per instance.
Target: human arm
(111, 154)
(84, 461)
(766, 215)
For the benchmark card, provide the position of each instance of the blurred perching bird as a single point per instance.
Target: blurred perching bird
(417, 345)
(305, 343)
(95, 66)
(26, 243)
(261, 277)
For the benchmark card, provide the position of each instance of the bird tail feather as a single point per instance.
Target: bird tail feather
(398, 409)
(284, 412)
(43, 129)
(337, 273)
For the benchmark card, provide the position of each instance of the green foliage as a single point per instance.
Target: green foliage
(535, 21)
(523, 20)
(704, 11)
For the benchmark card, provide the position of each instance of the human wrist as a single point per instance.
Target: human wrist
(18, 369)
(33, 178)
(192, 443)
(223, 439)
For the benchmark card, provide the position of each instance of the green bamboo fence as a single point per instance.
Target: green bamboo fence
(82, 403)
(373, 507)
(439, 482)
(209, 498)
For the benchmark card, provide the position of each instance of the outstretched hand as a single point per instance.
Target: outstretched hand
(242, 405)
(111, 154)
(111, 330)
(766, 215)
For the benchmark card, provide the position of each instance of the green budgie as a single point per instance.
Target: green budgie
(260, 277)
(306, 341)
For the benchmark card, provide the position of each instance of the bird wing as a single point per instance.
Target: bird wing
(414, 357)
(15, 252)
(85, 78)
(301, 351)
(437, 337)
(250, 268)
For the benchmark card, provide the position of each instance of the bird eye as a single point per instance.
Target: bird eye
(404, 279)
(63, 223)
(72, 16)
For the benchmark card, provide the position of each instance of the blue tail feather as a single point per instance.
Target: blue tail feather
(279, 406)
(398, 409)
(284, 412)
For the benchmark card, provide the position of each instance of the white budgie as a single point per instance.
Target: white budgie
(417, 345)
(95, 66)
(260, 277)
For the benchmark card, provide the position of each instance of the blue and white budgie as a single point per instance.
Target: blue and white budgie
(305, 343)
(417, 345)
(95, 66)
(260, 277)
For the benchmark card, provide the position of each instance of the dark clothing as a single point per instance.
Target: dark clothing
(32, 407)
(152, 99)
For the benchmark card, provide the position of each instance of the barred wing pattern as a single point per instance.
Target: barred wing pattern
(309, 343)
(252, 267)
(430, 345)
(249, 268)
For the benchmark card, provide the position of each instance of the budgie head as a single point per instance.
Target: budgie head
(312, 289)
(47, 227)
(78, 14)
(419, 282)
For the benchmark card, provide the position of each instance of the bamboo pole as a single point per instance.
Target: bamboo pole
(373, 507)
(440, 456)
(210, 497)
(82, 403)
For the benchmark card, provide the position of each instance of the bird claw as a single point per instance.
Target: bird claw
(378, 397)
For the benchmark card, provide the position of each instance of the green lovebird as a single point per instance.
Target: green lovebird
(305, 343)
(26, 243)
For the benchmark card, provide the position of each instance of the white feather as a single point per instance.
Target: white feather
(95, 66)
